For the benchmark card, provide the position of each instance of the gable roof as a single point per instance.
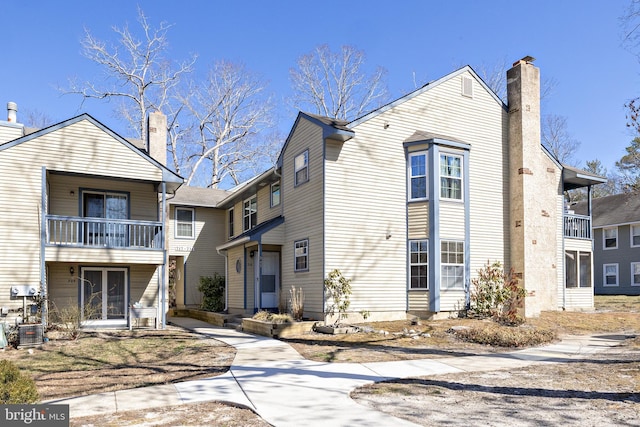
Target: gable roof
(172, 179)
(612, 210)
(198, 196)
(424, 88)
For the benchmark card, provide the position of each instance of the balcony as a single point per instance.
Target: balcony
(577, 226)
(103, 233)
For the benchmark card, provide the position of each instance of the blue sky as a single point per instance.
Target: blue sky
(577, 43)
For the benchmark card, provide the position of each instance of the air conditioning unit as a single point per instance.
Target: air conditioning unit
(30, 335)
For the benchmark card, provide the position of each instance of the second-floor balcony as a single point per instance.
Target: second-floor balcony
(577, 226)
(103, 233)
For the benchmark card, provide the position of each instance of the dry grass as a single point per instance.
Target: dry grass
(118, 360)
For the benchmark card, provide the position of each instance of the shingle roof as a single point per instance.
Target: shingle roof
(611, 210)
(198, 196)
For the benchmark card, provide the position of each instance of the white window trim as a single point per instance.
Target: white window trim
(418, 264)
(604, 275)
(296, 169)
(193, 223)
(631, 234)
(279, 194)
(632, 274)
(244, 213)
(231, 214)
(440, 176)
(295, 257)
(604, 238)
(426, 175)
(445, 264)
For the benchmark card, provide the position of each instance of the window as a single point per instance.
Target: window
(110, 207)
(610, 238)
(452, 264)
(419, 262)
(250, 213)
(275, 194)
(417, 176)
(301, 255)
(635, 236)
(301, 166)
(577, 269)
(231, 232)
(184, 223)
(450, 177)
(635, 274)
(610, 274)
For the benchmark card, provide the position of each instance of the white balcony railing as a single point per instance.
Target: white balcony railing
(577, 226)
(104, 233)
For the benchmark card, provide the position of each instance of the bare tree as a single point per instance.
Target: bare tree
(612, 186)
(629, 167)
(334, 84)
(556, 137)
(137, 72)
(228, 111)
(37, 119)
(495, 76)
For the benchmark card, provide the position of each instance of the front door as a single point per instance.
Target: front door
(103, 293)
(270, 280)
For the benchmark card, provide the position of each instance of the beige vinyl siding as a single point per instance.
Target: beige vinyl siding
(144, 285)
(579, 299)
(250, 277)
(63, 287)
(452, 220)
(274, 236)
(303, 212)
(265, 211)
(419, 300)
(9, 132)
(366, 226)
(200, 255)
(452, 300)
(235, 281)
(560, 270)
(80, 148)
(102, 255)
(418, 218)
(142, 197)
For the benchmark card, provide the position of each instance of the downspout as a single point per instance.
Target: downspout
(226, 278)
(43, 237)
(163, 277)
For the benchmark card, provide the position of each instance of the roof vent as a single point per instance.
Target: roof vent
(12, 112)
(467, 86)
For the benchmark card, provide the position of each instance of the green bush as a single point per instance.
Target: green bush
(337, 290)
(212, 289)
(15, 387)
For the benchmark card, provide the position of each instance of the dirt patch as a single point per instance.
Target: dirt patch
(602, 389)
(198, 414)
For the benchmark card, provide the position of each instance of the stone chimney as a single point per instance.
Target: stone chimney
(533, 193)
(157, 136)
(12, 112)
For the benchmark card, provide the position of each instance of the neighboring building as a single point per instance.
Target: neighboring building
(409, 202)
(81, 218)
(616, 232)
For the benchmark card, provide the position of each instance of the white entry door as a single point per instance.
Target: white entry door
(270, 280)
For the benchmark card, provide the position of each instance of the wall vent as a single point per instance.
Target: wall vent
(467, 86)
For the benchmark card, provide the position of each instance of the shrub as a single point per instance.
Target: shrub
(297, 303)
(496, 294)
(212, 289)
(71, 317)
(503, 336)
(266, 316)
(338, 290)
(15, 387)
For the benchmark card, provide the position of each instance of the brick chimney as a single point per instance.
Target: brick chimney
(157, 136)
(533, 194)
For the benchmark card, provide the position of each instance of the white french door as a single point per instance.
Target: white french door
(103, 293)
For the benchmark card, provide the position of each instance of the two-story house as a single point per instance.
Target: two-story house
(409, 202)
(616, 232)
(82, 218)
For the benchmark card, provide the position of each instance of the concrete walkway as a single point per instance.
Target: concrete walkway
(271, 378)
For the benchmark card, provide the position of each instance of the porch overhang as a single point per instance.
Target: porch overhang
(573, 178)
(255, 234)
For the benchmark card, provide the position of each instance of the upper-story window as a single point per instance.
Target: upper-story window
(250, 213)
(635, 235)
(301, 166)
(185, 223)
(450, 177)
(275, 194)
(230, 222)
(417, 176)
(610, 238)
